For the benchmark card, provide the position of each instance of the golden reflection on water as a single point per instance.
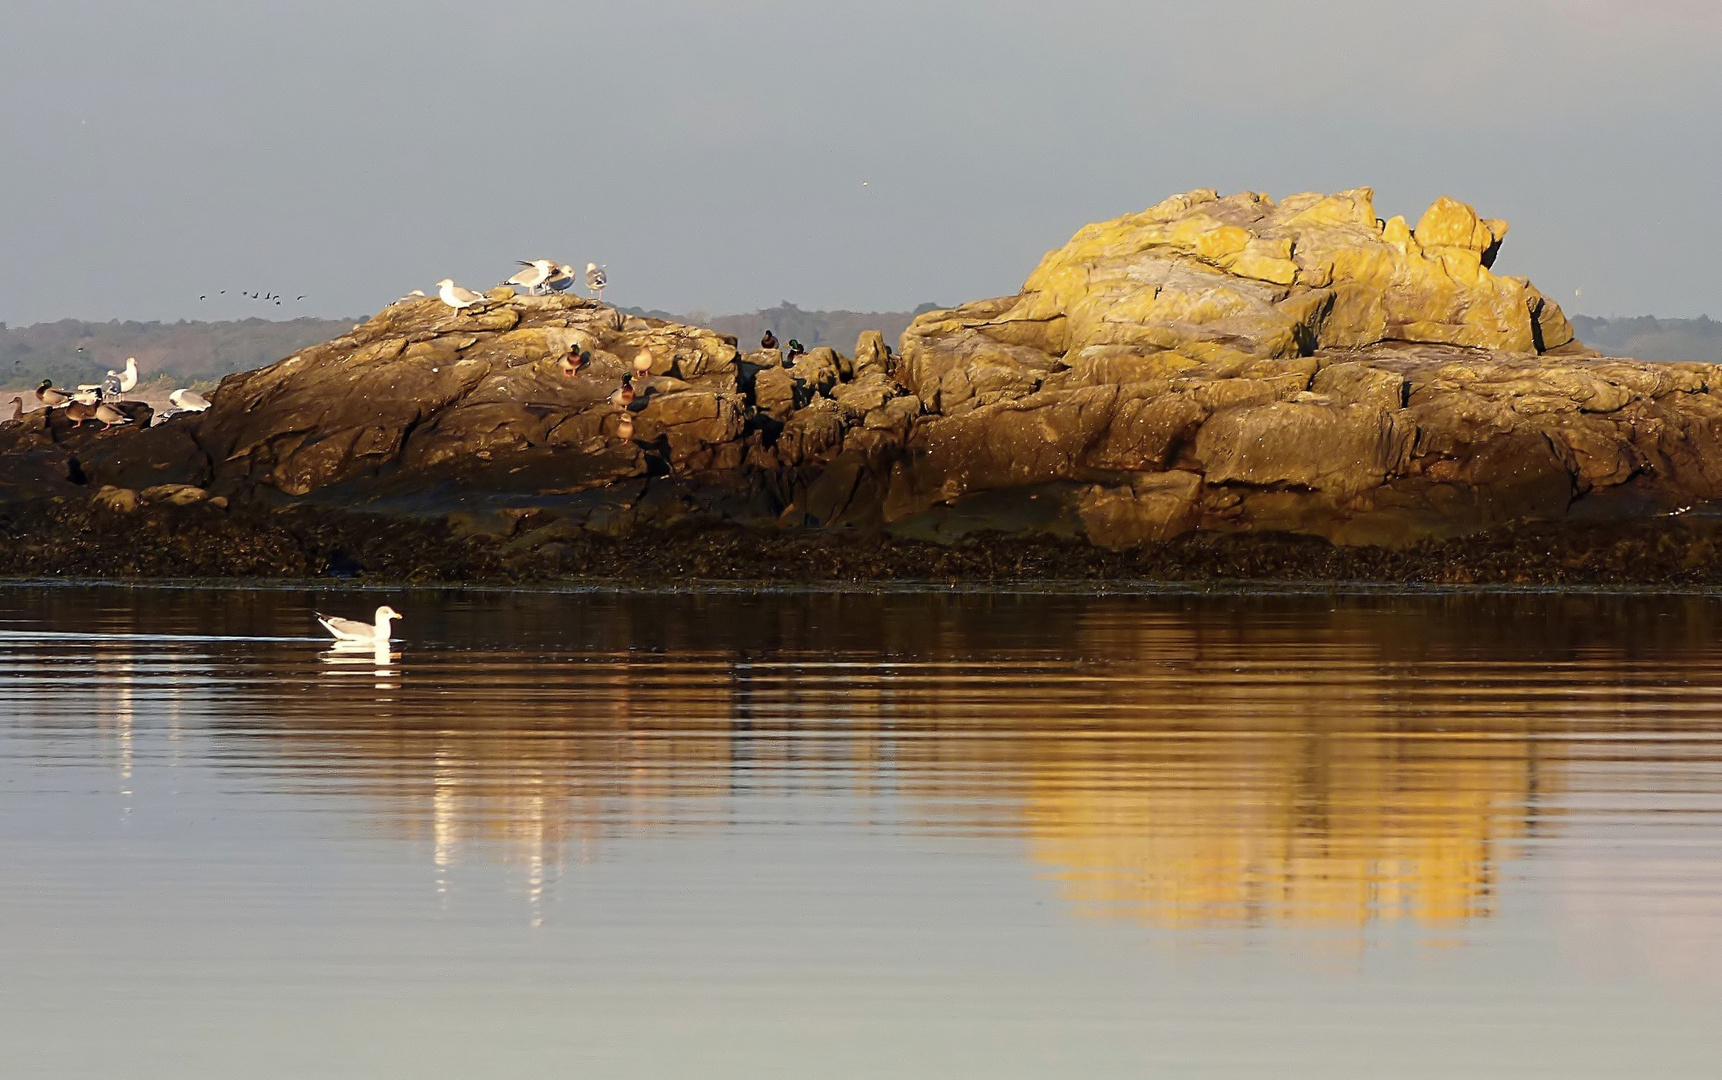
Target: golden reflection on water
(1179, 782)
(1324, 768)
(1367, 832)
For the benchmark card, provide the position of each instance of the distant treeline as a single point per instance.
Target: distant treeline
(71, 352)
(1648, 338)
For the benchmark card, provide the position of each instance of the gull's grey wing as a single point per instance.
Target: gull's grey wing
(348, 628)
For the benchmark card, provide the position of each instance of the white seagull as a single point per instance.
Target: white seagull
(188, 401)
(355, 632)
(532, 278)
(596, 279)
(455, 296)
(121, 382)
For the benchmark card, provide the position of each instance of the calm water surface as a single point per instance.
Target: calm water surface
(846, 836)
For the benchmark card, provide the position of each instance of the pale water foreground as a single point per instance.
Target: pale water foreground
(861, 836)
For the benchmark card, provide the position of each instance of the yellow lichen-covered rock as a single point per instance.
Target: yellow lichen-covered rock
(1225, 280)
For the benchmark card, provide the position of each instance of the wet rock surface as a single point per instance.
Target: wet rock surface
(1211, 383)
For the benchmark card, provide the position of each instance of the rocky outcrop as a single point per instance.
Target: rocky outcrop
(1236, 363)
(1224, 364)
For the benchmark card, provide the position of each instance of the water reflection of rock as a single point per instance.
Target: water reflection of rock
(1175, 763)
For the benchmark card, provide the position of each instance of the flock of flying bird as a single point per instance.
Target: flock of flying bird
(263, 296)
(100, 402)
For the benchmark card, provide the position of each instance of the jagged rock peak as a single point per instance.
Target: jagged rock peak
(1205, 279)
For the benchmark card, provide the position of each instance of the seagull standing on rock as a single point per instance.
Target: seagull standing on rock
(188, 401)
(121, 382)
(532, 278)
(455, 296)
(596, 279)
(562, 280)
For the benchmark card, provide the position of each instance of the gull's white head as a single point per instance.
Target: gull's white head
(445, 283)
(591, 267)
(387, 613)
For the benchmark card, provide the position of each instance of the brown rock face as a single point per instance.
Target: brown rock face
(1317, 369)
(1210, 363)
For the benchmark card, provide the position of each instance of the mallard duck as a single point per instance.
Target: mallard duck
(49, 396)
(358, 633)
(109, 416)
(17, 409)
(625, 426)
(78, 412)
(573, 360)
(769, 341)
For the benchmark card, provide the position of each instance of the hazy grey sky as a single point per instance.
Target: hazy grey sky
(712, 154)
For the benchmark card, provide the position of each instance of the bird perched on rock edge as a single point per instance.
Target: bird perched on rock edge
(769, 341)
(596, 279)
(188, 400)
(532, 278)
(49, 396)
(561, 280)
(455, 296)
(572, 361)
(128, 377)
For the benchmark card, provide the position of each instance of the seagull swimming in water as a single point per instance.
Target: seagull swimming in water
(532, 278)
(354, 632)
(596, 279)
(455, 296)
